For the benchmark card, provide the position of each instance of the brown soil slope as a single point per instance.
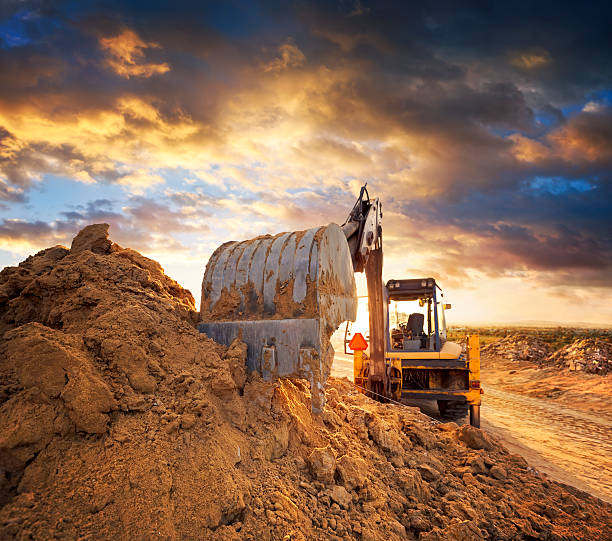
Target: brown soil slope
(118, 420)
(578, 375)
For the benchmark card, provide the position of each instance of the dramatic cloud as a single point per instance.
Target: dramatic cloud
(290, 57)
(486, 132)
(126, 55)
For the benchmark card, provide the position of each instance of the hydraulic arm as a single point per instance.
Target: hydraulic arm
(363, 230)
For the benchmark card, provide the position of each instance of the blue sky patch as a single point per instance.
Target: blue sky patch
(560, 185)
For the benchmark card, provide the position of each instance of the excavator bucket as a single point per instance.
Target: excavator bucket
(284, 295)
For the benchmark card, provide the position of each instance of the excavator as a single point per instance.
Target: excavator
(284, 295)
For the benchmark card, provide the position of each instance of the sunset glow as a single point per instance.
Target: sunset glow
(186, 128)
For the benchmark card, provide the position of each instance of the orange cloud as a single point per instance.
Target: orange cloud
(586, 138)
(531, 60)
(290, 57)
(528, 150)
(126, 55)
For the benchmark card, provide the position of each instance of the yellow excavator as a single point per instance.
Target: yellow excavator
(284, 296)
(421, 364)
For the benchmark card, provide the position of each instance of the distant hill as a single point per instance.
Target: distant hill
(537, 323)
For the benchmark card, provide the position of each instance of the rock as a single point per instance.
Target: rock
(423, 438)
(413, 485)
(477, 465)
(285, 507)
(447, 427)
(384, 435)
(468, 479)
(488, 460)
(340, 495)
(499, 472)
(397, 461)
(519, 461)
(270, 516)
(475, 438)
(419, 522)
(172, 426)
(397, 528)
(93, 238)
(427, 472)
(322, 464)
(188, 421)
(352, 471)
(307, 487)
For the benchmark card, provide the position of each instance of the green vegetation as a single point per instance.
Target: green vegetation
(555, 337)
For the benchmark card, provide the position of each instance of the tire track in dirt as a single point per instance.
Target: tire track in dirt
(579, 444)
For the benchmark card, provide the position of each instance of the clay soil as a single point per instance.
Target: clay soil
(546, 378)
(118, 420)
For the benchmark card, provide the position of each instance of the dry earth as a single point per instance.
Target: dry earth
(554, 409)
(525, 365)
(118, 420)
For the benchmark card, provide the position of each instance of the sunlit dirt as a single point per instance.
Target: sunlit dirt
(569, 445)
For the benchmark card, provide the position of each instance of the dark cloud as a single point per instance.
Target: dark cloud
(485, 127)
(564, 238)
(142, 224)
(20, 230)
(22, 163)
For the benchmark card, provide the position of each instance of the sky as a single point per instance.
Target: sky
(485, 128)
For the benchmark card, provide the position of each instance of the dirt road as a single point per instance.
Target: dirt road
(568, 445)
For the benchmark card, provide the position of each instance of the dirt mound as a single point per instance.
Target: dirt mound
(590, 355)
(518, 347)
(118, 420)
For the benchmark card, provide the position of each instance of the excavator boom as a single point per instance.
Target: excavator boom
(363, 230)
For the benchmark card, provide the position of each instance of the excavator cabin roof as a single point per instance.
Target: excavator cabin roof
(411, 289)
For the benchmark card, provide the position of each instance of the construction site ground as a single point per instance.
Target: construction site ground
(559, 421)
(119, 420)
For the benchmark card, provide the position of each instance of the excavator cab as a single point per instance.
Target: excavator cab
(415, 317)
(421, 363)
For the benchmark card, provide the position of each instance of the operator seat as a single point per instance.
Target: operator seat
(415, 324)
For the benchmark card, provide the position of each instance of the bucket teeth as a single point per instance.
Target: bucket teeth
(286, 295)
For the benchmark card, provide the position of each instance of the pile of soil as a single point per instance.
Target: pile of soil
(591, 355)
(518, 347)
(118, 420)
